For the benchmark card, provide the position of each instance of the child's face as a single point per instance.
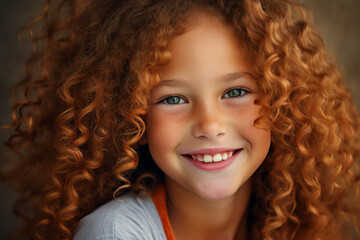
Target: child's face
(204, 108)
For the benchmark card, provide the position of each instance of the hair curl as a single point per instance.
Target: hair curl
(86, 90)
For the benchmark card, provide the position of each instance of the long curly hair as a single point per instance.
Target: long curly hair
(76, 132)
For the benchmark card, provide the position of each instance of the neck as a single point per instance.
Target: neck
(192, 217)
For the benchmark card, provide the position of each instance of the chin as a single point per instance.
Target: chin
(216, 192)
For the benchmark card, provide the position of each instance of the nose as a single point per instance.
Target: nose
(209, 123)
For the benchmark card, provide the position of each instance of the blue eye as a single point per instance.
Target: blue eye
(235, 92)
(173, 100)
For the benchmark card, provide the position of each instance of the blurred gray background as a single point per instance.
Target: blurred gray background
(337, 20)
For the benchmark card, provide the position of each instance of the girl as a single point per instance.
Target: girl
(203, 119)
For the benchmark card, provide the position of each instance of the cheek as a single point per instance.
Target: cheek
(245, 115)
(258, 139)
(162, 130)
(260, 143)
(163, 133)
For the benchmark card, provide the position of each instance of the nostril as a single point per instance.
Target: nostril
(210, 131)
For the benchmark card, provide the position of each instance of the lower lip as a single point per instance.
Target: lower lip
(213, 166)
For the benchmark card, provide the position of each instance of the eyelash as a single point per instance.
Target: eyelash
(181, 100)
(242, 92)
(166, 99)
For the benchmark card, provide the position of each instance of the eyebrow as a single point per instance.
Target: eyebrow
(230, 77)
(236, 75)
(175, 82)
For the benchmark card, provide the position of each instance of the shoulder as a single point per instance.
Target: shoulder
(129, 217)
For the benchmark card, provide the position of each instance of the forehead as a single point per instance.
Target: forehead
(205, 22)
(207, 48)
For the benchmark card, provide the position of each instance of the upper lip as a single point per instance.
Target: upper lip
(211, 151)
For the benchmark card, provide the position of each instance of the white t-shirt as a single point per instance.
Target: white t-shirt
(127, 218)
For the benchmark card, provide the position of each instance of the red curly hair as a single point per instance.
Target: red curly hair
(76, 132)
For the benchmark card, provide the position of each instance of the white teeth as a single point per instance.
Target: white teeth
(217, 157)
(207, 158)
(212, 158)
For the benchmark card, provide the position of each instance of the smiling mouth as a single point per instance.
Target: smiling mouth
(209, 158)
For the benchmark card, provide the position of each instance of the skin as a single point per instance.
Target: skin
(195, 108)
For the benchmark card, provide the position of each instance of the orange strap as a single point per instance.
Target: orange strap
(159, 199)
